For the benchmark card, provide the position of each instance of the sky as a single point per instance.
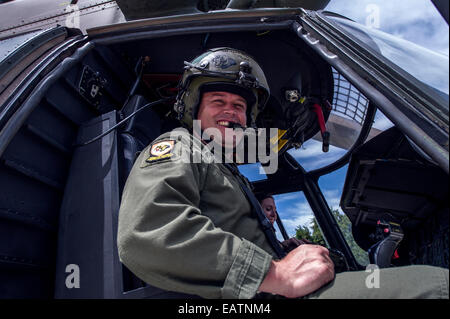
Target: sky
(416, 21)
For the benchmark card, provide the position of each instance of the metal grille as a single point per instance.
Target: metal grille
(347, 100)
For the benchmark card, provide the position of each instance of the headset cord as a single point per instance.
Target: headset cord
(124, 120)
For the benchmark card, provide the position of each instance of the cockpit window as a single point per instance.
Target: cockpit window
(417, 21)
(349, 110)
(311, 156)
(331, 186)
(348, 101)
(429, 67)
(254, 172)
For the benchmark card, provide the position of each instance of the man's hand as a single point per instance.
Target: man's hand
(304, 270)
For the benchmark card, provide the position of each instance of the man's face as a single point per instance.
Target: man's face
(269, 209)
(221, 109)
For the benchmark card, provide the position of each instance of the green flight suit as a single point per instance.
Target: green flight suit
(188, 227)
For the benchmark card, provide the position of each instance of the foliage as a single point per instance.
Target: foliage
(312, 233)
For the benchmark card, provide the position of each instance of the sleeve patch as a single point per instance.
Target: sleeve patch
(160, 151)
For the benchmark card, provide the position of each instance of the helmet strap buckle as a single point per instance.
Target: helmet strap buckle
(245, 78)
(179, 108)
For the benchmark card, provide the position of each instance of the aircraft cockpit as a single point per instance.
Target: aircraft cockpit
(361, 138)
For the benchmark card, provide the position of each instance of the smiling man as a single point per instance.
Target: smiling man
(221, 111)
(186, 226)
(196, 228)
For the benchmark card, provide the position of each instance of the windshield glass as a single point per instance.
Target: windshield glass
(349, 109)
(403, 23)
(417, 21)
(425, 65)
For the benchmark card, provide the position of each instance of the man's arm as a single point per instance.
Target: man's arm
(303, 271)
(166, 240)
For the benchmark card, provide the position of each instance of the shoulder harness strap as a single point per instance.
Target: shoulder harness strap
(262, 219)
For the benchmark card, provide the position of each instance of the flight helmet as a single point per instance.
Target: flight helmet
(221, 69)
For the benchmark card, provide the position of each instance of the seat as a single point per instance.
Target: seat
(87, 262)
(136, 133)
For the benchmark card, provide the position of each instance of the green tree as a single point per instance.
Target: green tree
(311, 232)
(303, 232)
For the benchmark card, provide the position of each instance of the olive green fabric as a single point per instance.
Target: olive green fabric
(408, 282)
(188, 227)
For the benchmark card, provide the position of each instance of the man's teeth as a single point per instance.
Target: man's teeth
(224, 123)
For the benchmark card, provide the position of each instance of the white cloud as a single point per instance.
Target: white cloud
(333, 198)
(295, 211)
(311, 156)
(280, 199)
(417, 21)
(309, 149)
(298, 214)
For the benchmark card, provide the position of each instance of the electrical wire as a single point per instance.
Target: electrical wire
(124, 120)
